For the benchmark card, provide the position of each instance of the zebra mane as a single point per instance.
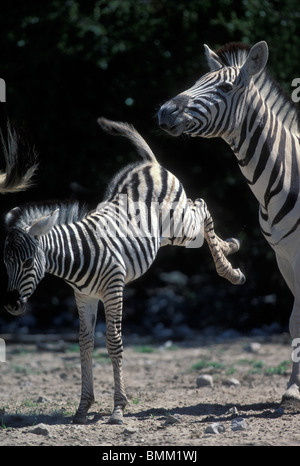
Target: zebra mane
(235, 54)
(27, 214)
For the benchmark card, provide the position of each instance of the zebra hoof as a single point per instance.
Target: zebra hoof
(242, 279)
(291, 399)
(116, 418)
(235, 244)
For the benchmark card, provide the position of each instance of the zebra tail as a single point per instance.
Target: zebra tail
(20, 160)
(117, 128)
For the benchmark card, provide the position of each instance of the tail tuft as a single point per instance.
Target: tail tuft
(20, 161)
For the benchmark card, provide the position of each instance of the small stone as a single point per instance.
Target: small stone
(129, 431)
(174, 278)
(204, 380)
(40, 429)
(173, 419)
(233, 411)
(239, 424)
(254, 347)
(215, 428)
(279, 411)
(42, 399)
(231, 382)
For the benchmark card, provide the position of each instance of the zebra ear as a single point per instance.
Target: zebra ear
(257, 59)
(214, 62)
(43, 225)
(11, 217)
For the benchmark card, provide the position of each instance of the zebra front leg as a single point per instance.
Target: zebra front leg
(87, 309)
(113, 305)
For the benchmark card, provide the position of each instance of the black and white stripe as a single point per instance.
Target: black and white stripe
(97, 253)
(239, 101)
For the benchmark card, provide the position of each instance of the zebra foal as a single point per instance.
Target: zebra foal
(97, 253)
(240, 102)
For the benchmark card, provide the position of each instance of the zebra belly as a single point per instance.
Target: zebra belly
(125, 259)
(284, 233)
(138, 255)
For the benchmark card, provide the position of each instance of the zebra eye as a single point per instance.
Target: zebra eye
(28, 263)
(226, 87)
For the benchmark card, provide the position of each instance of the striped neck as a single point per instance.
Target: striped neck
(261, 141)
(59, 258)
(266, 146)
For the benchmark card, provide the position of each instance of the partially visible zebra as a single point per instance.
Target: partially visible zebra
(97, 253)
(239, 102)
(20, 160)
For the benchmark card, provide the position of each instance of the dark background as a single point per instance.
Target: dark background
(65, 63)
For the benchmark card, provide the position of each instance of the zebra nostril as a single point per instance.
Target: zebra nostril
(165, 126)
(14, 304)
(167, 115)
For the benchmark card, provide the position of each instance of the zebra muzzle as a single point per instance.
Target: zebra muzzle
(171, 116)
(15, 304)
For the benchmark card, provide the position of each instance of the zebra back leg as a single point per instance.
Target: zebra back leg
(113, 305)
(219, 249)
(87, 309)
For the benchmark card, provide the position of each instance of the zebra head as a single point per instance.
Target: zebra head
(24, 258)
(206, 108)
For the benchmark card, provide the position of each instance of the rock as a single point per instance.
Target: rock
(176, 278)
(253, 347)
(204, 380)
(215, 428)
(231, 382)
(173, 419)
(129, 431)
(233, 411)
(42, 399)
(239, 423)
(279, 411)
(40, 429)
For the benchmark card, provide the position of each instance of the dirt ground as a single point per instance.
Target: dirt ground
(40, 388)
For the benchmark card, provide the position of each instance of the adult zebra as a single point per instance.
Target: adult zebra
(239, 102)
(97, 253)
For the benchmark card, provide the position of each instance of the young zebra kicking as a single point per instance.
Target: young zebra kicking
(97, 253)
